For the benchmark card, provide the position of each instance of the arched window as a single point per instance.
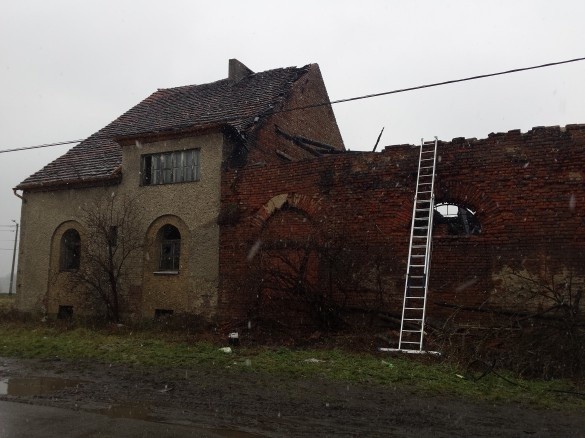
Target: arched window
(170, 248)
(459, 220)
(70, 250)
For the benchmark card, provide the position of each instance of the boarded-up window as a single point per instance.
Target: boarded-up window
(170, 167)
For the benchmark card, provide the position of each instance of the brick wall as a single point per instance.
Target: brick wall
(271, 143)
(527, 190)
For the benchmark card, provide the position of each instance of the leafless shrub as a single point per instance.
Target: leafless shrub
(322, 278)
(112, 236)
(534, 323)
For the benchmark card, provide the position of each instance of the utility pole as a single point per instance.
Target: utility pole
(13, 258)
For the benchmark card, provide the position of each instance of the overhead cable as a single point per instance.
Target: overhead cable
(351, 99)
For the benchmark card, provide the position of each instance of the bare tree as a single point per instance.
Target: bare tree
(112, 236)
(533, 322)
(326, 272)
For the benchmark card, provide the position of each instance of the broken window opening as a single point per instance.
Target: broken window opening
(70, 251)
(163, 313)
(65, 312)
(459, 220)
(170, 167)
(170, 248)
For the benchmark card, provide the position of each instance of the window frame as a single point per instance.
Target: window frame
(173, 167)
(169, 249)
(70, 251)
(460, 220)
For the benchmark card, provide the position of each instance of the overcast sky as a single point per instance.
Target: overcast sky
(67, 68)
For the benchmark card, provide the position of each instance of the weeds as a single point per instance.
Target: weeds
(177, 350)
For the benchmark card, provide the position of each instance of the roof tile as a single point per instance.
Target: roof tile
(194, 106)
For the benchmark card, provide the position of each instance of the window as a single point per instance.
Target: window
(163, 313)
(70, 250)
(170, 167)
(65, 312)
(113, 236)
(460, 221)
(170, 248)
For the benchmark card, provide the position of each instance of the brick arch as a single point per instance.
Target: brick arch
(487, 211)
(303, 203)
(285, 258)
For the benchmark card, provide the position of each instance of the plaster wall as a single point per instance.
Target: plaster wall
(43, 214)
(192, 205)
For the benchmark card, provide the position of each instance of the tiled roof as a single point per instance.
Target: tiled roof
(224, 102)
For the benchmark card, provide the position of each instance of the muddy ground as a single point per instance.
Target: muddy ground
(268, 405)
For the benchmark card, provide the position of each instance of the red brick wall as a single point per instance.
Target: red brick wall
(316, 123)
(528, 191)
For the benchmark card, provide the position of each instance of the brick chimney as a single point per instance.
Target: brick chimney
(237, 70)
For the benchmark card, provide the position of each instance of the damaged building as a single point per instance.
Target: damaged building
(250, 209)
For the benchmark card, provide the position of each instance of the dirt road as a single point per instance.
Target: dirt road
(268, 405)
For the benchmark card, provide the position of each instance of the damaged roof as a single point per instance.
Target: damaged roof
(226, 102)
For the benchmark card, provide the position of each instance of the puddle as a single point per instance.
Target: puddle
(29, 386)
(143, 412)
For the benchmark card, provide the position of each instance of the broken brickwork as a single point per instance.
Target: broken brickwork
(527, 191)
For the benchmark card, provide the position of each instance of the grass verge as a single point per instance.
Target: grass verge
(6, 302)
(166, 350)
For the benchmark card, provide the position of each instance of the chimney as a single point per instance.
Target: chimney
(238, 71)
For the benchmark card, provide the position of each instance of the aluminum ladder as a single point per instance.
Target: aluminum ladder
(419, 252)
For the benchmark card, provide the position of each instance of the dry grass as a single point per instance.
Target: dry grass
(6, 302)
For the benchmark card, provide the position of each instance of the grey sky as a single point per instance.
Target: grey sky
(67, 68)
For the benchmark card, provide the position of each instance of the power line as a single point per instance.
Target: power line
(452, 81)
(47, 145)
(352, 99)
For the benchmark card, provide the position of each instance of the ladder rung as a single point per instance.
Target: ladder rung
(420, 230)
